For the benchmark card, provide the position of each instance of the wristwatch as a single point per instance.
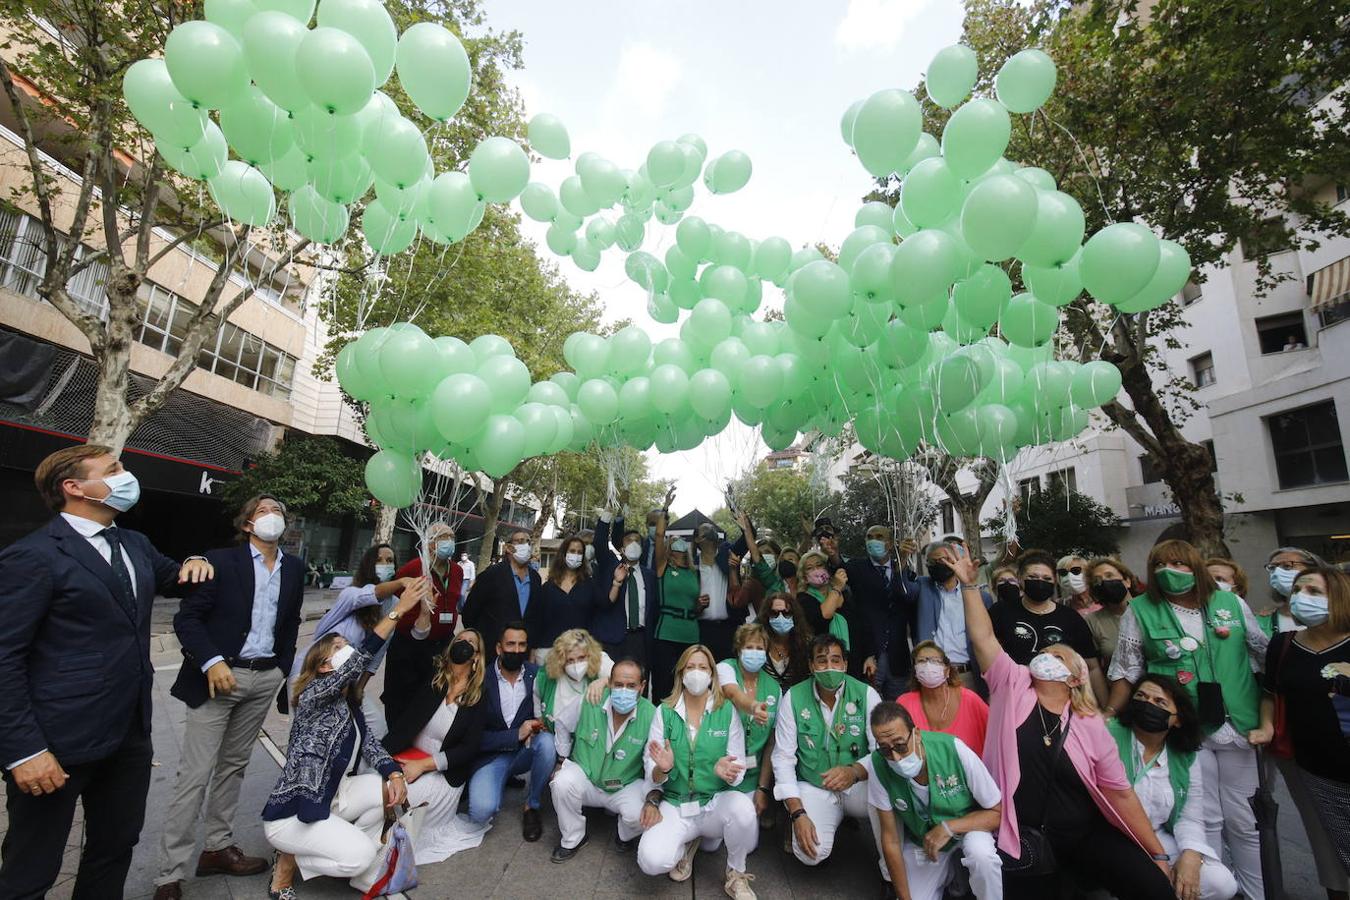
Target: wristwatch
(394, 615)
(1159, 857)
(792, 817)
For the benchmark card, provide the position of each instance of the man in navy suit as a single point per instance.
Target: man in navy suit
(75, 675)
(238, 635)
(626, 601)
(506, 591)
(514, 739)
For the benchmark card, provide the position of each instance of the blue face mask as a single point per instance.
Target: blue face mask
(1309, 609)
(623, 700)
(123, 491)
(445, 549)
(876, 549)
(780, 623)
(753, 660)
(1282, 580)
(680, 546)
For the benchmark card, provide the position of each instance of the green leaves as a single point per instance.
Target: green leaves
(311, 475)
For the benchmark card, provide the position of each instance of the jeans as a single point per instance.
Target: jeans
(890, 685)
(489, 779)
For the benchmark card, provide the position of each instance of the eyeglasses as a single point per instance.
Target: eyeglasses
(1010, 581)
(1286, 566)
(1074, 570)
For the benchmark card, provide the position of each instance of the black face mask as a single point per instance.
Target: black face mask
(1111, 591)
(1008, 592)
(787, 568)
(940, 572)
(461, 652)
(1147, 717)
(1038, 591)
(511, 660)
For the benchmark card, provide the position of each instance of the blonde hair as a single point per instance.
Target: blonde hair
(746, 632)
(316, 656)
(1081, 698)
(556, 662)
(473, 692)
(678, 691)
(812, 558)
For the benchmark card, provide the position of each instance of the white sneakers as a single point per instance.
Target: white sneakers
(685, 867)
(738, 885)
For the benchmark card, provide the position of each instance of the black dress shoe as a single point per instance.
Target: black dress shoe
(624, 846)
(531, 825)
(562, 854)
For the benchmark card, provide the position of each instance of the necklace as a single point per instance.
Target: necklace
(1046, 733)
(940, 721)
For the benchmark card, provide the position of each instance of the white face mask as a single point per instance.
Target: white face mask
(1048, 667)
(521, 553)
(384, 571)
(576, 670)
(269, 526)
(340, 656)
(632, 551)
(779, 665)
(573, 560)
(930, 674)
(1076, 583)
(907, 766)
(1222, 585)
(696, 681)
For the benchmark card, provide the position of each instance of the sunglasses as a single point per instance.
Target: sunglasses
(899, 749)
(1074, 570)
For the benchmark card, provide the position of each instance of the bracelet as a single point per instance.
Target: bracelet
(395, 774)
(792, 817)
(1159, 857)
(951, 834)
(766, 790)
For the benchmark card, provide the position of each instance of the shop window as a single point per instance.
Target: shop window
(1307, 445)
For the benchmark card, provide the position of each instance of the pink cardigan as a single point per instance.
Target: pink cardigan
(1090, 747)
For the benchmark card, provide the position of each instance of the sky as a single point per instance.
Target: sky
(769, 79)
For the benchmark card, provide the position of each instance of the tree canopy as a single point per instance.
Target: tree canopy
(1065, 522)
(310, 474)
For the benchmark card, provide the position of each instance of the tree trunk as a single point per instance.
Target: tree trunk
(492, 511)
(384, 523)
(545, 511)
(113, 420)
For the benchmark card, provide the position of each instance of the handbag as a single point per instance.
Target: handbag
(1037, 856)
(1282, 745)
(394, 868)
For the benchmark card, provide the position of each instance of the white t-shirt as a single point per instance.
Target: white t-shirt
(712, 582)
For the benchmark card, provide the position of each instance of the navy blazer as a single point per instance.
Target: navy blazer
(886, 607)
(461, 743)
(493, 602)
(215, 618)
(74, 667)
(499, 735)
(609, 621)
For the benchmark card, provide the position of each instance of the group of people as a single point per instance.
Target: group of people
(1033, 727)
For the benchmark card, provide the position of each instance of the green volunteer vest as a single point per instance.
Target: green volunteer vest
(756, 736)
(1225, 661)
(768, 576)
(548, 690)
(620, 765)
(1178, 768)
(678, 620)
(693, 777)
(843, 741)
(949, 796)
(838, 624)
(1267, 622)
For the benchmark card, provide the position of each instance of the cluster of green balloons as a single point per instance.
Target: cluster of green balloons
(299, 114)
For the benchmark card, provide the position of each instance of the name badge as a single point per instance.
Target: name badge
(689, 809)
(447, 618)
(613, 784)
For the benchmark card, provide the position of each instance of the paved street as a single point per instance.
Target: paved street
(507, 867)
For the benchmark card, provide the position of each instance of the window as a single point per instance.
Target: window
(1202, 370)
(1335, 312)
(1341, 193)
(1268, 236)
(1148, 469)
(1307, 445)
(948, 516)
(1064, 480)
(1190, 292)
(1281, 333)
(25, 256)
(1028, 488)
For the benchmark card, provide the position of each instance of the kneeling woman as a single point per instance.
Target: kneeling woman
(436, 741)
(695, 757)
(323, 819)
(1158, 733)
(756, 695)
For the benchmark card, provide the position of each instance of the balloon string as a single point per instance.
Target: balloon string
(1087, 167)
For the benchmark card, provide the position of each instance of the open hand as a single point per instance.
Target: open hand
(195, 571)
(728, 768)
(663, 757)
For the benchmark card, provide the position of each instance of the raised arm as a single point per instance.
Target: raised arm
(659, 552)
(979, 628)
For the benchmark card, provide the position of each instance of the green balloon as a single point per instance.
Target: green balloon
(629, 348)
(996, 430)
(1026, 81)
(646, 271)
(901, 224)
(861, 327)
(500, 446)
(761, 381)
(385, 232)
(874, 212)
(771, 258)
(271, 41)
(1095, 383)
(665, 163)
(635, 399)
(710, 322)
(598, 401)
(335, 71)
(257, 129)
(1058, 231)
(728, 173)
(998, 215)
(243, 193)
(926, 148)
(980, 298)
(297, 10)
(901, 345)
(434, 69)
(548, 136)
(860, 239)
(925, 266)
(670, 388)
(694, 238)
(399, 156)
(823, 289)
(572, 194)
(158, 105)
(957, 381)
(319, 219)
(507, 378)
(847, 119)
(455, 356)
(486, 346)
(203, 160)
(662, 309)
(549, 393)
(409, 362)
(394, 479)
(453, 204)
(603, 182)
(538, 202)
(586, 255)
(1117, 262)
(206, 63)
(541, 428)
(732, 248)
(1174, 269)
(499, 169)
(963, 331)
(343, 180)
(230, 15)
(350, 377)
(886, 129)
(1028, 322)
(406, 203)
(325, 136)
(803, 320)
(1005, 384)
(951, 75)
(726, 284)
(1037, 177)
(871, 274)
(629, 231)
(930, 194)
(975, 137)
(1057, 285)
(367, 21)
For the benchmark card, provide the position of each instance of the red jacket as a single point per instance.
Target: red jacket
(447, 593)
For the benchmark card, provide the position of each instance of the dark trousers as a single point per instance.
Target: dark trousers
(113, 792)
(1101, 856)
(717, 637)
(667, 654)
(633, 646)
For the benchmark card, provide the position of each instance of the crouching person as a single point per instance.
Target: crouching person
(933, 802)
(605, 768)
(695, 801)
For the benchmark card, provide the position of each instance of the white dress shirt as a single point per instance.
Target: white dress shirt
(784, 757)
(91, 531)
(950, 634)
(259, 644)
(512, 693)
(712, 582)
(983, 789)
(1153, 787)
(567, 696)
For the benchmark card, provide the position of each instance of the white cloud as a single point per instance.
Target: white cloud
(876, 24)
(645, 77)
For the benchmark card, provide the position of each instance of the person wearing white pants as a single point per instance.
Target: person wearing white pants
(819, 740)
(342, 845)
(929, 794)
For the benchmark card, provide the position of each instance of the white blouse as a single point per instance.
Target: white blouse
(432, 736)
(1154, 790)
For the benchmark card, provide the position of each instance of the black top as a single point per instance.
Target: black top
(1072, 809)
(861, 638)
(461, 742)
(1317, 708)
(563, 610)
(1023, 633)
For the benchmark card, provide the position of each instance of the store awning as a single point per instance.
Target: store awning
(1331, 284)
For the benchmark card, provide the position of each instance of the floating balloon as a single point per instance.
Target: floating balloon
(1026, 81)
(243, 193)
(206, 63)
(369, 23)
(499, 169)
(548, 136)
(157, 104)
(434, 69)
(951, 75)
(1118, 261)
(885, 130)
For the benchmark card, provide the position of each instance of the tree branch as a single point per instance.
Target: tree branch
(146, 227)
(35, 168)
(177, 242)
(1129, 422)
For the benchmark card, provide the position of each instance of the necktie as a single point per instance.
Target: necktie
(126, 595)
(633, 620)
